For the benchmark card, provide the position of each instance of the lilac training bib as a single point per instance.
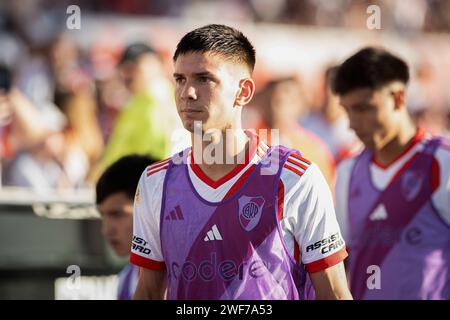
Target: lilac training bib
(232, 249)
(399, 245)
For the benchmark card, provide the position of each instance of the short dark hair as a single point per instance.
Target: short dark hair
(220, 39)
(122, 176)
(5, 78)
(330, 75)
(134, 51)
(369, 68)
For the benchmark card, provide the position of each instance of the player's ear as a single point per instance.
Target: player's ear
(246, 91)
(399, 96)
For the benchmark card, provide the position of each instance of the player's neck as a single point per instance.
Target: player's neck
(220, 151)
(397, 145)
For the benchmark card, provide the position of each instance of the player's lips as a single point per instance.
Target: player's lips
(191, 112)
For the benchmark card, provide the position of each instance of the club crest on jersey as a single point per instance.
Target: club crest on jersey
(250, 210)
(411, 184)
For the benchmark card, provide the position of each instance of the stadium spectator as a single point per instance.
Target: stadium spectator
(145, 125)
(280, 105)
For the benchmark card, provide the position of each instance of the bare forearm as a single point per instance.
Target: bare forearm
(331, 284)
(334, 294)
(151, 285)
(142, 294)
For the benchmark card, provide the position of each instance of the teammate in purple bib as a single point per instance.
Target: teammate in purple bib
(238, 245)
(393, 198)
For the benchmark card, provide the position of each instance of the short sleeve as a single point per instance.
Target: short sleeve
(316, 229)
(341, 192)
(146, 244)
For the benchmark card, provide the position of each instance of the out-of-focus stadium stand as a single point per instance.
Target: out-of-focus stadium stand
(41, 236)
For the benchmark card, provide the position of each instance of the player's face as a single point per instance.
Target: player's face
(117, 222)
(206, 87)
(372, 115)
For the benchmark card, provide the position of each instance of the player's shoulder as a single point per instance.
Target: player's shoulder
(442, 170)
(303, 181)
(157, 169)
(152, 179)
(346, 165)
(298, 170)
(442, 159)
(153, 176)
(296, 165)
(443, 150)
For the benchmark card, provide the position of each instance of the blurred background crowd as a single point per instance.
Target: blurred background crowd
(74, 101)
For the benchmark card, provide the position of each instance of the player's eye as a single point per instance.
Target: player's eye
(361, 108)
(203, 79)
(179, 80)
(116, 213)
(364, 108)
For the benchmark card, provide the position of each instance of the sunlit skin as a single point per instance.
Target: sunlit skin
(117, 222)
(213, 92)
(380, 119)
(208, 89)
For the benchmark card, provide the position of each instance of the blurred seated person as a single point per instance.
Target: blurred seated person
(115, 192)
(23, 132)
(280, 107)
(20, 123)
(82, 137)
(45, 156)
(74, 95)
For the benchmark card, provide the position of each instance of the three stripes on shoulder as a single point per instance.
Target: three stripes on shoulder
(157, 166)
(297, 164)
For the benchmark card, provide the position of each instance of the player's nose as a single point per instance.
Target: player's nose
(189, 93)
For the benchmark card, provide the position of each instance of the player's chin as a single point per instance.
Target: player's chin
(366, 140)
(369, 144)
(193, 125)
(188, 125)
